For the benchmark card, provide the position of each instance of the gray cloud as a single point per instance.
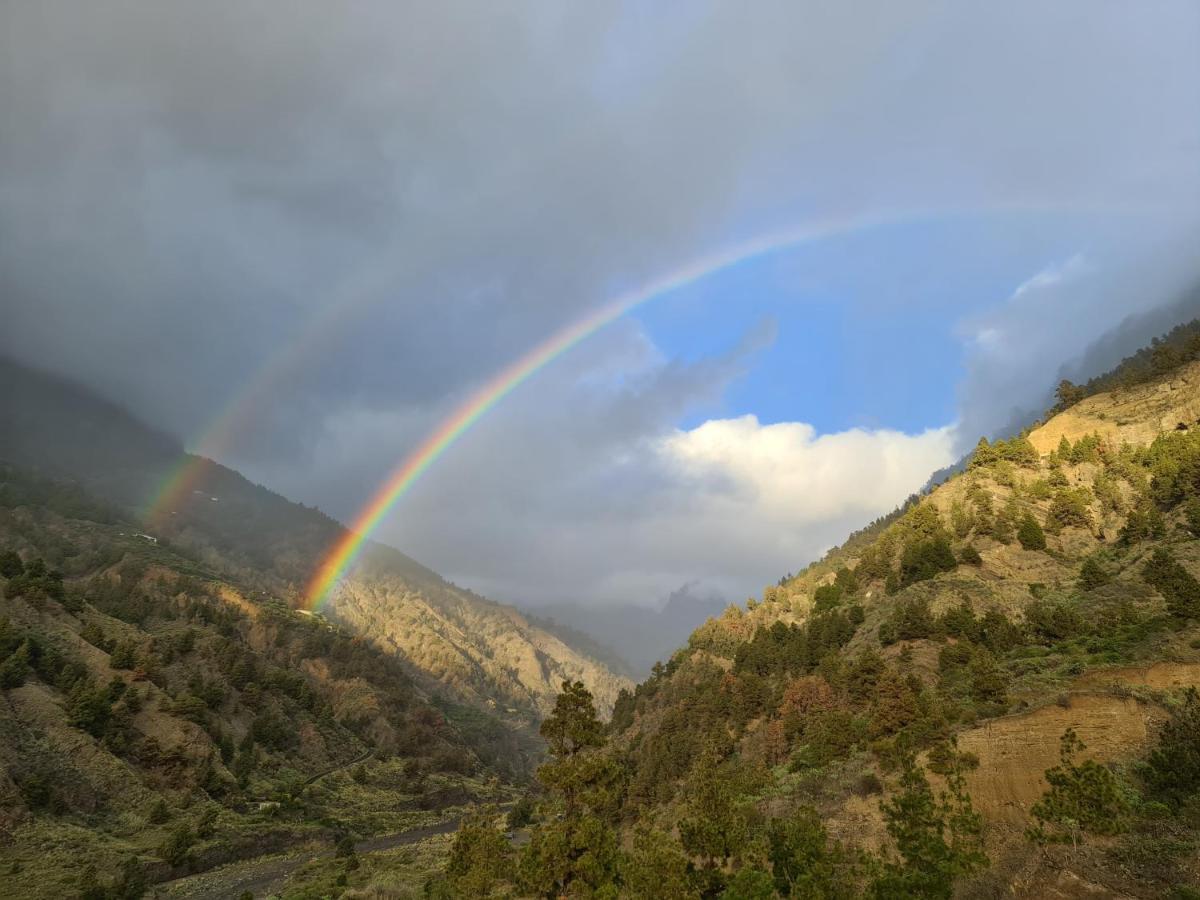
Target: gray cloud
(185, 188)
(1077, 318)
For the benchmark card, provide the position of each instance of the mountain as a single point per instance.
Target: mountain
(447, 638)
(160, 717)
(990, 692)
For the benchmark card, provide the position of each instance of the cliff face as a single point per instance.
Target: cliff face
(1135, 415)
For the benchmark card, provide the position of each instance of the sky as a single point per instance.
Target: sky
(342, 220)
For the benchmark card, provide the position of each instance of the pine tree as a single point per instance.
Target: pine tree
(1030, 533)
(1178, 586)
(657, 869)
(480, 859)
(983, 455)
(1173, 768)
(15, 669)
(803, 863)
(1083, 798)
(1092, 575)
(715, 827)
(938, 838)
(576, 852)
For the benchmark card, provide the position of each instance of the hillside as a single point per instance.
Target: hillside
(983, 694)
(489, 653)
(447, 638)
(160, 718)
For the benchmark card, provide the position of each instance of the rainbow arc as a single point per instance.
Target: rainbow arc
(347, 549)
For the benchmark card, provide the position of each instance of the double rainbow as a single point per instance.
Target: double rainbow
(239, 413)
(346, 550)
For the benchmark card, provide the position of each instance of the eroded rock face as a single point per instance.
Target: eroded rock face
(1015, 751)
(1137, 414)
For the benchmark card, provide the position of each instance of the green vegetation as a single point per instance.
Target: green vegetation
(725, 847)
(157, 721)
(938, 838)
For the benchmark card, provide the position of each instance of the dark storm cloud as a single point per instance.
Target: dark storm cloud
(184, 187)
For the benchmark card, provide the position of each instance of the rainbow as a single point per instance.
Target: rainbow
(240, 411)
(351, 544)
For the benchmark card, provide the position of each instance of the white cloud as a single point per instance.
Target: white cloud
(788, 473)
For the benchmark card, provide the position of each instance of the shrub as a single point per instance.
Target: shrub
(1052, 622)
(15, 669)
(159, 812)
(1191, 512)
(11, 565)
(960, 622)
(997, 632)
(922, 560)
(969, 556)
(1070, 508)
(989, 682)
(1178, 586)
(522, 812)
(1092, 575)
(1040, 489)
(176, 848)
(1030, 533)
(89, 707)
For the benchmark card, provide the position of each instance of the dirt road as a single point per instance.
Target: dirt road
(265, 876)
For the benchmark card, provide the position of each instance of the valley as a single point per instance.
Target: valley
(177, 728)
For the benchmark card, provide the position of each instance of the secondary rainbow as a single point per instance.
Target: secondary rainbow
(351, 544)
(243, 408)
